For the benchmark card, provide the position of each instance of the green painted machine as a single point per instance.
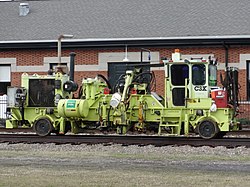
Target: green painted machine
(193, 103)
(34, 103)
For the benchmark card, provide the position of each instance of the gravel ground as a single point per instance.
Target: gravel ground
(117, 165)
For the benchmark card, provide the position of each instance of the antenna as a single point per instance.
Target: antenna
(126, 54)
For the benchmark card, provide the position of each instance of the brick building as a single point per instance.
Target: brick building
(102, 30)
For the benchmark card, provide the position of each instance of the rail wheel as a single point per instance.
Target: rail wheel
(43, 127)
(208, 129)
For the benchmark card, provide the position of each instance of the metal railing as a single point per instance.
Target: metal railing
(3, 109)
(3, 106)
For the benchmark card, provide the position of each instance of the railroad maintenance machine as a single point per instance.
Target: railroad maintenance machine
(192, 103)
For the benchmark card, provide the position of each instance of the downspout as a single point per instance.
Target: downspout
(226, 55)
(225, 82)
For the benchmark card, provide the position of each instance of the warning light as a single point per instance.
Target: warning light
(177, 50)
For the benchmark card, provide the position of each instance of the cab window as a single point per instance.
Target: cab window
(179, 73)
(198, 74)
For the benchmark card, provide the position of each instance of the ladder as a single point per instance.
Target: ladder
(171, 122)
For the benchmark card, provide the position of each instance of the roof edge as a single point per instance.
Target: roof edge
(132, 39)
(132, 42)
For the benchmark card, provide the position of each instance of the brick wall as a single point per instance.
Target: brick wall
(34, 57)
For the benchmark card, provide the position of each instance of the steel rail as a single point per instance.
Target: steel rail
(246, 131)
(125, 140)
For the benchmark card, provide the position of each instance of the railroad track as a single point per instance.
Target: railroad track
(124, 140)
(245, 132)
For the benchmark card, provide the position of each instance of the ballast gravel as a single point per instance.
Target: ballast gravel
(131, 149)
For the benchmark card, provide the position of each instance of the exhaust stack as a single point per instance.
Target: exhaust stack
(72, 66)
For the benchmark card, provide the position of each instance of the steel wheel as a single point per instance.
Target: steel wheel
(207, 129)
(43, 127)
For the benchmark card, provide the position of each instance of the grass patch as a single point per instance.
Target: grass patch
(47, 176)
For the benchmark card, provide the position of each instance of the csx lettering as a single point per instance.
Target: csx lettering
(200, 88)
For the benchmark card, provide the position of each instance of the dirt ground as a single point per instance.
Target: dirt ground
(117, 165)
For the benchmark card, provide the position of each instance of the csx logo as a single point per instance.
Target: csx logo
(200, 88)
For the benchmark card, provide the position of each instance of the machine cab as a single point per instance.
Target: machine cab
(188, 81)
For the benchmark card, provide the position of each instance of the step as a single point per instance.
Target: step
(169, 125)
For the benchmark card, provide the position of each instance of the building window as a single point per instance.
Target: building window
(53, 65)
(55, 68)
(5, 78)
